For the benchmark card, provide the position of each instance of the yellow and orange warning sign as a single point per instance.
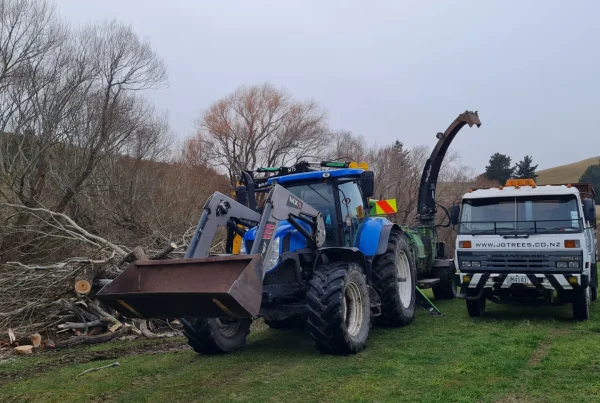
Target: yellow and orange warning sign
(385, 207)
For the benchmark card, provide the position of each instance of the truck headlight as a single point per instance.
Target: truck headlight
(476, 264)
(573, 265)
(272, 257)
(561, 265)
(465, 263)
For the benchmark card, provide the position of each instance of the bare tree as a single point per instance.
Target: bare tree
(124, 64)
(260, 125)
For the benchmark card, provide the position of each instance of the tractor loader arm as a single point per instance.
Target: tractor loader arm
(218, 210)
(282, 205)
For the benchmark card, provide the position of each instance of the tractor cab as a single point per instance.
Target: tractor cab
(340, 191)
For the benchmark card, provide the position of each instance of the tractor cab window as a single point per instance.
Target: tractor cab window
(320, 196)
(352, 209)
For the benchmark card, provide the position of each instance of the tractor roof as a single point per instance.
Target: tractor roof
(317, 175)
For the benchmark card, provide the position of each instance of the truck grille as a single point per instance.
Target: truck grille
(519, 261)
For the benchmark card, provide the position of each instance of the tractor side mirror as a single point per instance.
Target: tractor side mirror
(367, 184)
(454, 214)
(589, 210)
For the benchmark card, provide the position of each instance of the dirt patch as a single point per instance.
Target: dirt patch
(59, 358)
(543, 348)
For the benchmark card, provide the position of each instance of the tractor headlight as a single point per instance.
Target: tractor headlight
(272, 257)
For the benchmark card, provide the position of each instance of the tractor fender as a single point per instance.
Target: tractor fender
(345, 254)
(384, 237)
(374, 235)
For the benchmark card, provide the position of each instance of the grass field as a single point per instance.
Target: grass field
(565, 173)
(514, 354)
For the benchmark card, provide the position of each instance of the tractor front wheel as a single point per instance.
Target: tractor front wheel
(339, 308)
(214, 336)
(394, 279)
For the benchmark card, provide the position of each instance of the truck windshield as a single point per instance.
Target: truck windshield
(319, 196)
(527, 214)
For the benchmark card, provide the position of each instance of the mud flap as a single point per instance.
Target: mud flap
(427, 304)
(211, 287)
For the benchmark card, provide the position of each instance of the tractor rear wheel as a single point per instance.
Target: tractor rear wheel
(339, 308)
(214, 336)
(397, 297)
(446, 288)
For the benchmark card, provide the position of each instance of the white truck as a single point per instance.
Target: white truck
(527, 244)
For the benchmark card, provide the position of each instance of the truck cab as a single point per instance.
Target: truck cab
(528, 244)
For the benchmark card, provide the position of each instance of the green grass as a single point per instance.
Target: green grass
(514, 354)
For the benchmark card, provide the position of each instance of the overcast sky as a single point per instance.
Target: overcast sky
(389, 69)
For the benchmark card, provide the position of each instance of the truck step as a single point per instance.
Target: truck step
(427, 283)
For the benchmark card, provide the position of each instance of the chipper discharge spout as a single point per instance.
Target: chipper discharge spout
(210, 286)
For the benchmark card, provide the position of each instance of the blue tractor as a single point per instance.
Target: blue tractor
(304, 248)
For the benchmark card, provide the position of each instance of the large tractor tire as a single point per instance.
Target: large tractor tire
(215, 336)
(581, 303)
(339, 308)
(446, 288)
(397, 298)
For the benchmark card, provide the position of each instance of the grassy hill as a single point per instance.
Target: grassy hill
(565, 173)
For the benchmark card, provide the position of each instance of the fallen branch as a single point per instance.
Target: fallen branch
(72, 228)
(85, 325)
(79, 340)
(114, 364)
(165, 252)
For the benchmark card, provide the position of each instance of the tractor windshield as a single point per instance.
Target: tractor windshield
(321, 197)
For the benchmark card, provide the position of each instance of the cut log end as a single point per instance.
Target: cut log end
(83, 287)
(36, 340)
(24, 350)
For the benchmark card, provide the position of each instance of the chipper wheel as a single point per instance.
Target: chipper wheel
(446, 288)
(339, 308)
(214, 336)
(397, 297)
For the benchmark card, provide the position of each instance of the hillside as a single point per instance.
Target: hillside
(565, 173)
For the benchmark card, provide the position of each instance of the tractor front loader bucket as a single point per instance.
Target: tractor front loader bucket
(209, 287)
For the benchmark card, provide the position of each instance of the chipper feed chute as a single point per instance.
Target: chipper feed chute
(212, 287)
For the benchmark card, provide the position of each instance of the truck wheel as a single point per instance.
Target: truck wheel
(476, 307)
(214, 336)
(581, 303)
(339, 308)
(397, 298)
(446, 288)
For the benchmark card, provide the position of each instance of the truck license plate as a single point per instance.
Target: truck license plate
(517, 279)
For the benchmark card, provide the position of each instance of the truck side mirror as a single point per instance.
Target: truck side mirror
(367, 184)
(589, 211)
(454, 214)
